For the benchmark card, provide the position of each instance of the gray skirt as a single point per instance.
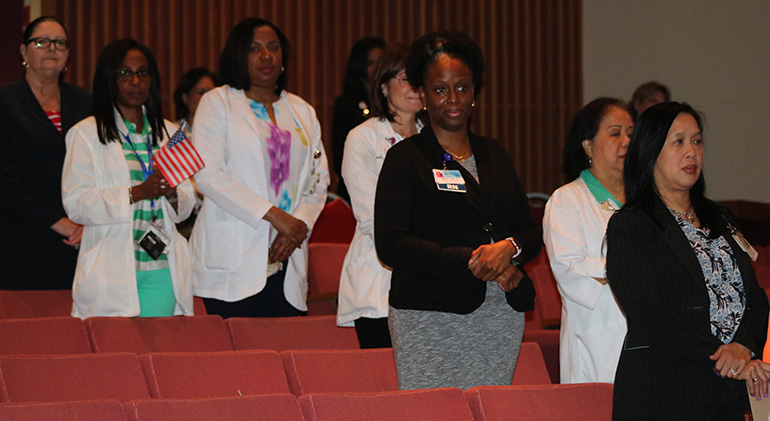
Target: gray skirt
(437, 349)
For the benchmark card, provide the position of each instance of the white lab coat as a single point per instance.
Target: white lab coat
(95, 183)
(230, 240)
(592, 325)
(365, 281)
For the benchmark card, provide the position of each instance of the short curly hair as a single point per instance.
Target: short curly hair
(456, 44)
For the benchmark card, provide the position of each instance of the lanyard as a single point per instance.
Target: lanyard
(146, 168)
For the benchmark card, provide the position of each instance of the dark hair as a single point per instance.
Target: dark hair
(585, 126)
(456, 44)
(646, 91)
(186, 83)
(392, 61)
(32, 25)
(234, 60)
(358, 60)
(650, 132)
(105, 91)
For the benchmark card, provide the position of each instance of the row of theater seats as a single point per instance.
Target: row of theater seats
(583, 402)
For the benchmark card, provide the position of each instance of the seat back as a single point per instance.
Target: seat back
(101, 410)
(547, 299)
(183, 375)
(323, 274)
(575, 402)
(443, 404)
(32, 304)
(335, 224)
(548, 341)
(58, 378)
(530, 366)
(158, 334)
(278, 407)
(285, 333)
(47, 335)
(361, 370)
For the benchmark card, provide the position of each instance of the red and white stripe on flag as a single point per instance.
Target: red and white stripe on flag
(178, 160)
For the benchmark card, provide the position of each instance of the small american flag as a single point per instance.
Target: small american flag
(178, 160)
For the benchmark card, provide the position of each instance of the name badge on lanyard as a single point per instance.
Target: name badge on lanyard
(449, 180)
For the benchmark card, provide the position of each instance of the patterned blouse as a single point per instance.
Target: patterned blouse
(723, 279)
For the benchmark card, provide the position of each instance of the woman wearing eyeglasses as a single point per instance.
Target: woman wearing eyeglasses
(132, 262)
(265, 181)
(35, 114)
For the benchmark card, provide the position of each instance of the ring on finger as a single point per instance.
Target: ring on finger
(733, 372)
(755, 380)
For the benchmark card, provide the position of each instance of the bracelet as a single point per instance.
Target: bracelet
(130, 196)
(516, 246)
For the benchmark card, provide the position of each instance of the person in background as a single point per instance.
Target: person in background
(187, 95)
(574, 223)
(352, 107)
(189, 92)
(39, 246)
(647, 95)
(452, 220)
(265, 181)
(681, 271)
(132, 261)
(364, 284)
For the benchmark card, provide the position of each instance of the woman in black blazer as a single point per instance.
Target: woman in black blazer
(38, 247)
(696, 314)
(457, 298)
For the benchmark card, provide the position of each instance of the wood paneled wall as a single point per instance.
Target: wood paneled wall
(531, 89)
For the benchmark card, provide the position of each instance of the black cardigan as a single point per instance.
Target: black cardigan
(427, 235)
(32, 256)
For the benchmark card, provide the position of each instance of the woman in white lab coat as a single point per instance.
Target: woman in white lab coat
(111, 186)
(365, 281)
(575, 220)
(264, 183)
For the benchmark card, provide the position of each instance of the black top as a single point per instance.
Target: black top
(657, 279)
(32, 255)
(348, 113)
(427, 236)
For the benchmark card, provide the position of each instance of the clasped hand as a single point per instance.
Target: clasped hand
(292, 232)
(492, 262)
(734, 360)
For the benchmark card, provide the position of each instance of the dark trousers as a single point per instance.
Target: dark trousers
(270, 302)
(373, 333)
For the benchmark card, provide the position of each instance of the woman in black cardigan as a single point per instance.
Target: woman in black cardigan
(39, 243)
(457, 295)
(697, 319)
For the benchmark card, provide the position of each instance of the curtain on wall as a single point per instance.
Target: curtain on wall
(531, 89)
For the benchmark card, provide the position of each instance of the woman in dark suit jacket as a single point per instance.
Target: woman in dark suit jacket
(451, 243)
(696, 315)
(38, 247)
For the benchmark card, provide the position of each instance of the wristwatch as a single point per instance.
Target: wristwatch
(518, 250)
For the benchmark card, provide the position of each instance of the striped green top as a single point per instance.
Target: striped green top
(142, 209)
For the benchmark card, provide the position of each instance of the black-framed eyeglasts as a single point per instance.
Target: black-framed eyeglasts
(124, 75)
(45, 43)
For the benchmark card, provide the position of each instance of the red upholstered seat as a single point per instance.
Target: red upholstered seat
(324, 270)
(279, 407)
(445, 404)
(547, 300)
(362, 370)
(285, 333)
(575, 402)
(160, 334)
(31, 304)
(57, 378)
(47, 335)
(335, 224)
(548, 340)
(530, 367)
(100, 410)
(214, 374)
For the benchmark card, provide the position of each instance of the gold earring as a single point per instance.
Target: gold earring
(473, 104)
(425, 108)
(24, 64)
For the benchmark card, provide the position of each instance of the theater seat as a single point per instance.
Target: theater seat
(285, 333)
(32, 304)
(99, 410)
(362, 370)
(530, 366)
(574, 402)
(186, 375)
(46, 335)
(335, 224)
(444, 404)
(279, 407)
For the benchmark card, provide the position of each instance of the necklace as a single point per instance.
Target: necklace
(460, 158)
(687, 216)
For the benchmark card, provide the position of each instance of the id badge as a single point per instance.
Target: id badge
(154, 242)
(745, 246)
(449, 180)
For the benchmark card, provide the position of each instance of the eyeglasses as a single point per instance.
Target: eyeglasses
(45, 43)
(402, 81)
(125, 75)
